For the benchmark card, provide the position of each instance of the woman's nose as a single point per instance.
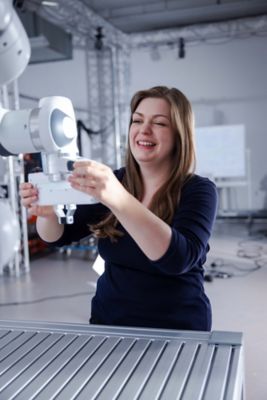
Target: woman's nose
(146, 128)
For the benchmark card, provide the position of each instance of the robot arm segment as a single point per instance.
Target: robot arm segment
(15, 48)
(49, 129)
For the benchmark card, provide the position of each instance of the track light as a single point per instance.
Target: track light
(19, 4)
(99, 38)
(181, 53)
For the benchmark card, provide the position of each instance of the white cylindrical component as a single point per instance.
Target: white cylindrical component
(15, 134)
(9, 234)
(15, 48)
(50, 128)
(117, 137)
(57, 124)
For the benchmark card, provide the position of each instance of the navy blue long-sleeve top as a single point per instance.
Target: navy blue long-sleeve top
(166, 293)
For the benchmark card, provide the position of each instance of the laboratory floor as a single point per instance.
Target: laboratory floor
(59, 288)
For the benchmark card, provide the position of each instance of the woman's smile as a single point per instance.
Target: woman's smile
(145, 144)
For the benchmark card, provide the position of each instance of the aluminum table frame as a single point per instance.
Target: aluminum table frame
(42, 360)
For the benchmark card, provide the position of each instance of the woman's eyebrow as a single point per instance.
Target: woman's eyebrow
(154, 116)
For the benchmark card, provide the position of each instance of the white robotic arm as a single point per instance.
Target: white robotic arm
(14, 44)
(49, 128)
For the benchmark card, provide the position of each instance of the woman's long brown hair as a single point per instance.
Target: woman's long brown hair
(167, 197)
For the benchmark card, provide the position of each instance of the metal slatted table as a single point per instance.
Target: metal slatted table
(40, 360)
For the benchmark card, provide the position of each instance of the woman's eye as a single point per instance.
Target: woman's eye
(160, 123)
(136, 121)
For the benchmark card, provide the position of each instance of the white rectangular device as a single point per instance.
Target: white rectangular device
(59, 192)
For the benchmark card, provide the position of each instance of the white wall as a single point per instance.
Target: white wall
(61, 78)
(226, 84)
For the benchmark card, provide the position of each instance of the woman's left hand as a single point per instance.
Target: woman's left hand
(97, 180)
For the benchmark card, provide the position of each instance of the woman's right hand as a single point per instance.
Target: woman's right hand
(29, 196)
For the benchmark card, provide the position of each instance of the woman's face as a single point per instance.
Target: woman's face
(151, 135)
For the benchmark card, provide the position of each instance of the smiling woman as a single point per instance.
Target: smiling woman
(153, 220)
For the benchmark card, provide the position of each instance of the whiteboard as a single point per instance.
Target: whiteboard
(221, 151)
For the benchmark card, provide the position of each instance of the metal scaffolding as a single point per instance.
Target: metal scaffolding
(107, 76)
(211, 32)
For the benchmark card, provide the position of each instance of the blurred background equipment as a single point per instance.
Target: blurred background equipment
(9, 234)
(14, 56)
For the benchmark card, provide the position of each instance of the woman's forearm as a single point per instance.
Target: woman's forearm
(152, 235)
(48, 228)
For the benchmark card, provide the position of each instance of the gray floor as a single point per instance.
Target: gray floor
(64, 286)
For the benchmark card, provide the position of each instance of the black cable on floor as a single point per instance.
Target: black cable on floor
(252, 249)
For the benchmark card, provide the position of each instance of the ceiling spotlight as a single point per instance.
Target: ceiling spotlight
(181, 53)
(19, 4)
(99, 38)
(22, 5)
(49, 3)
